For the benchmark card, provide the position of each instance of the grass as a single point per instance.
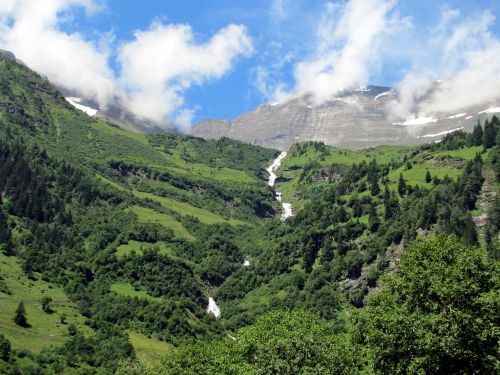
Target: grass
(137, 247)
(439, 164)
(126, 289)
(151, 216)
(326, 156)
(148, 348)
(467, 153)
(81, 139)
(276, 289)
(331, 155)
(117, 131)
(205, 216)
(110, 182)
(163, 186)
(420, 166)
(46, 329)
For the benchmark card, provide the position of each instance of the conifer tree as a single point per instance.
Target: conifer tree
(4, 348)
(477, 135)
(373, 178)
(488, 135)
(20, 315)
(401, 185)
(373, 219)
(46, 301)
(428, 177)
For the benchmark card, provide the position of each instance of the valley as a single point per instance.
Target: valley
(165, 253)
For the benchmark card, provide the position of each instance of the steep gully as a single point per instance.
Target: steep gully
(287, 212)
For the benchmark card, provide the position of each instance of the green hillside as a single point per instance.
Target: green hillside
(46, 328)
(131, 234)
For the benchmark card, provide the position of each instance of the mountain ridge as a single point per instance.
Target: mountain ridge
(355, 119)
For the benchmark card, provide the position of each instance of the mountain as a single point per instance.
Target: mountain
(355, 119)
(128, 253)
(116, 113)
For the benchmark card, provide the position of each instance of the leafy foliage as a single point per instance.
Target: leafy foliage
(436, 314)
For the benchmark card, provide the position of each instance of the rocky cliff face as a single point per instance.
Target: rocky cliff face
(355, 119)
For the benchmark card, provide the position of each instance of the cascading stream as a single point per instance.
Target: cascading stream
(212, 307)
(287, 207)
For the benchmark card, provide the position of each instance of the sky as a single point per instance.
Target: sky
(184, 61)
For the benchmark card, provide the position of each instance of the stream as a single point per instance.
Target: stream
(212, 307)
(287, 207)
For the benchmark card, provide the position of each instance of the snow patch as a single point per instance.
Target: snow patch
(468, 117)
(458, 115)
(439, 134)
(362, 89)
(382, 95)
(490, 110)
(75, 102)
(213, 308)
(417, 121)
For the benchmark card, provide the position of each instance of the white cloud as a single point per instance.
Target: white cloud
(260, 81)
(279, 9)
(30, 28)
(184, 119)
(157, 66)
(468, 64)
(411, 90)
(347, 49)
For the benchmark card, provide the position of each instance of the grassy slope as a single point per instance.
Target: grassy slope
(90, 139)
(149, 348)
(148, 215)
(46, 329)
(439, 163)
(71, 135)
(126, 289)
(183, 208)
(305, 153)
(138, 248)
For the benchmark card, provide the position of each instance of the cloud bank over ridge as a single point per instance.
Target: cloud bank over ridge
(319, 48)
(357, 39)
(466, 74)
(156, 67)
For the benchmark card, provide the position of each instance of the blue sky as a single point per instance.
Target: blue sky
(275, 48)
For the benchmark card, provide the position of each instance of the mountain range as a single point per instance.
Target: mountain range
(355, 119)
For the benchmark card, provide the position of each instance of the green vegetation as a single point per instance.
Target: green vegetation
(115, 241)
(429, 318)
(182, 208)
(127, 290)
(416, 324)
(138, 248)
(43, 328)
(148, 215)
(20, 316)
(148, 348)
